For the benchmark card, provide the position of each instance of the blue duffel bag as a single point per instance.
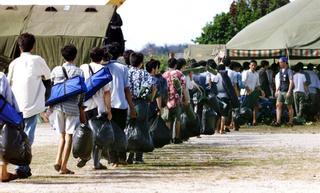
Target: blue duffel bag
(8, 113)
(96, 81)
(61, 92)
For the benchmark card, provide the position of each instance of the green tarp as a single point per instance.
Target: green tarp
(293, 29)
(54, 29)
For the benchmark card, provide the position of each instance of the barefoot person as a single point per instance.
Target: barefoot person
(6, 92)
(66, 115)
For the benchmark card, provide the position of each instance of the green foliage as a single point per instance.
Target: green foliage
(242, 12)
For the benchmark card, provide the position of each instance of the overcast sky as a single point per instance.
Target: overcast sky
(155, 21)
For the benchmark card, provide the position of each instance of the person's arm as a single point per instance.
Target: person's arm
(291, 84)
(44, 69)
(107, 102)
(133, 113)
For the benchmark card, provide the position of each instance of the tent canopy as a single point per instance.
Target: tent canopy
(54, 27)
(293, 30)
(204, 51)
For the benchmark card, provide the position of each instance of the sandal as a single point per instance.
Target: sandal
(11, 177)
(67, 171)
(275, 124)
(57, 167)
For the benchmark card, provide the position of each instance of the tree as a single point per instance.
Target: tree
(242, 12)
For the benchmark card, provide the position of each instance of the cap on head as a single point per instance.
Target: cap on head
(283, 59)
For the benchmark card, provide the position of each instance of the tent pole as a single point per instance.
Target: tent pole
(288, 55)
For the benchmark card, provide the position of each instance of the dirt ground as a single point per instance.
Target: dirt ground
(256, 159)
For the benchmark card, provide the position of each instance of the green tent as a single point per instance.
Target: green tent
(292, 30)
(54, 26)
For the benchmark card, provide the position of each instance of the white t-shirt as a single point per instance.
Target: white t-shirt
(251, 79)
(97, 100)
(119, 83)
(232, 75)
(25, 77)
(299, 80)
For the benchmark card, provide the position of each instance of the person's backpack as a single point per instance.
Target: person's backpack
(96, 81)
(63, 91)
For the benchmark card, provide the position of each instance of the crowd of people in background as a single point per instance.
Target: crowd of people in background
(291, 92)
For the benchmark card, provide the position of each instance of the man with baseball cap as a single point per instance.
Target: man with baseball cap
(284, 91)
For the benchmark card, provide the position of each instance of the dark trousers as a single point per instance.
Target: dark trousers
(119, 116)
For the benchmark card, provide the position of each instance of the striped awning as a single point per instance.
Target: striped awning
(273, 53)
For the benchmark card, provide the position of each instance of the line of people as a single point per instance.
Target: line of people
(166, 94)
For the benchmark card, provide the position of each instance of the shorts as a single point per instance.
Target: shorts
(282, 98)
(64, 124)
(171, 115)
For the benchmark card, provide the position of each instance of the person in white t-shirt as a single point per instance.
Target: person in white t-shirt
(25, 76)
(98, 104)
(252, 83)
(121, 99)
(300, 89)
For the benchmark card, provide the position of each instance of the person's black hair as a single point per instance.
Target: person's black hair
(318, 67)
(300, 65)
(96, 54)
(264, 63)
(152, 64)
(195, 65)
(115, 50)
(202, 63)
(253, 61)
(180, 63)
(245, 65)
(235, 65)
(221, 67)
(136, 59)
(212, 63)
(226, 61)
(295, 68)
(126, 56)
(310, 67)
(26, 42)
(69, 52)
(172, 63)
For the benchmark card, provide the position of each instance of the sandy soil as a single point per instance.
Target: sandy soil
(260, 159)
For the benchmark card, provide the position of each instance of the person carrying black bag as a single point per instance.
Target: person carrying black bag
(6, 92)
(99, 104)
(139, 81)
(66, 114)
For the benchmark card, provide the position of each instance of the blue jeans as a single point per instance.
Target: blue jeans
(29, 129)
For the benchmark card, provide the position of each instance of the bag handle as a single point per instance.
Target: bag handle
(90, 69)
(65, 72)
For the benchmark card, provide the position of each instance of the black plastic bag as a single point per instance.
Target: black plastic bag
(82, 142)
(160, 133)
(120, 139)
(242, 115)
(14, 145)
(103, 131)
(139, 138)
(214, 103)
(141, 107)
(189, 127)
(209, 121)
